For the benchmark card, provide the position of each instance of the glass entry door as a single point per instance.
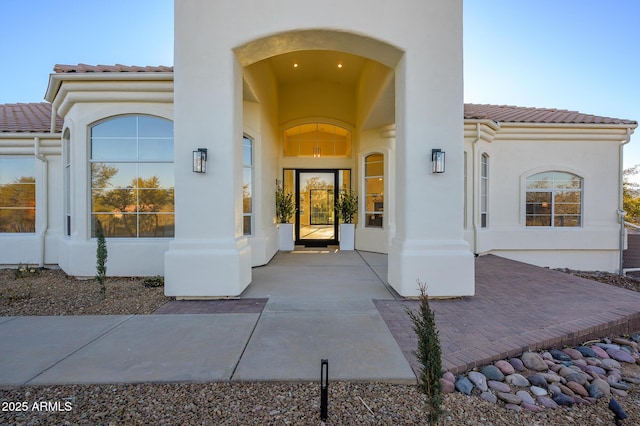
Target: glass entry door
(316, 220)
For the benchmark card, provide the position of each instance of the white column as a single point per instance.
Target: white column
(209, 256)
(429, 243)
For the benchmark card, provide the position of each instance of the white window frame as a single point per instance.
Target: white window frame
(553, 192)
(366, 192)
(484, 191)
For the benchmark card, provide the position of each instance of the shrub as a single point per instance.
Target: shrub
(151, 282)
(429, 354)
(101, 259)
(285, 206)
(347, 205)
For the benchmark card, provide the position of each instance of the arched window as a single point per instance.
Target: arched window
(374, 190)
(317, 140)
(484, 191)
(554, 199)
(132, 177)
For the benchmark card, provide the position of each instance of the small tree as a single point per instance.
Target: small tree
(429, 354)
(631, 194)
(101, 259)
(285, 207)
(347, 205)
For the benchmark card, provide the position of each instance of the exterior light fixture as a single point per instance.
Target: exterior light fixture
(200, 160)
(437, 161)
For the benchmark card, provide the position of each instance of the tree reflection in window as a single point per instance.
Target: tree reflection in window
(17, 195)
(132, 183)
(554, 199)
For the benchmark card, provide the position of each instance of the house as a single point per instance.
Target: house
(318, 102)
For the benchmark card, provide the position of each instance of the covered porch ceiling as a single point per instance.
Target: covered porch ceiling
(337, 68)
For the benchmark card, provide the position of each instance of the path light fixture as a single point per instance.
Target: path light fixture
(200, 160)
(437, 161)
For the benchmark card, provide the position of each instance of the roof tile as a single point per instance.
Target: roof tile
(515, 114)
(27, 118)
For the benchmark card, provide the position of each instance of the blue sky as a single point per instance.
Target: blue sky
(571, 54)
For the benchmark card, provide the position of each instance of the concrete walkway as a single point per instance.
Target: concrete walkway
(308, 305)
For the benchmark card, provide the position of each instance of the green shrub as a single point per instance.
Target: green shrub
(101, 259)
(428, 354)
(285, 206)
(151, 282)
(347, 205)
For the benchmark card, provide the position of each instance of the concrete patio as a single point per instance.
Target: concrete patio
(308, 305)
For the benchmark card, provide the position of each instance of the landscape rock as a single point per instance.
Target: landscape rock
(505, 367)
(525, 397)
(562, 399)
(499, 386)
(479, 380)
(538, 391)
(538, 380)
(531, 407)
(488, 396)
(533, 361)
(447, 386)
(573, 353)
(509, 398)
(547, 402)
(492, 372)
(463, 385)
(517, 364)
(559, 355)
(620, 355)
(517, 380)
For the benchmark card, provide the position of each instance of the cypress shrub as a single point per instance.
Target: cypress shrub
(428, 354)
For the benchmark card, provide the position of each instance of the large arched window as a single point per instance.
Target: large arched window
(132, 177)
(554, 199)
(374, 190)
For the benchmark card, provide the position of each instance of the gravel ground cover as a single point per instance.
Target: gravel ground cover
(51, 292)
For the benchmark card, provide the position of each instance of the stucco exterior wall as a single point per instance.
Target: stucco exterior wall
(516, 152)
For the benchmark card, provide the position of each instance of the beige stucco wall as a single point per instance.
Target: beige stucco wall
(519, 151)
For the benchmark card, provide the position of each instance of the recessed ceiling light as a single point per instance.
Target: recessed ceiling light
(339, 65)
(295, 65)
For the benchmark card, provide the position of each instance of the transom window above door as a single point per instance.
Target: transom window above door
(317, 140)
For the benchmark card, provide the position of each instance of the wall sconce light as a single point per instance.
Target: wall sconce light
(200, 160)
(437, 161)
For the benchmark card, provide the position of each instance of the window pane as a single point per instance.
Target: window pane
(373, 220)
(566, 221)
(163, 172)
(538, 220)
(113, 200)
(247, 152)
(155, 149)
(116, 127)
(156, 225)
(246, 225)
(121, 225)
(113, 175)
(154, 127)
(155, 200)
(14, 168)
(18, 220)
(114, 149)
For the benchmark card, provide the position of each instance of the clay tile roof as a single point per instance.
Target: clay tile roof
(27, 118)
(84, 68)
(515, 114)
